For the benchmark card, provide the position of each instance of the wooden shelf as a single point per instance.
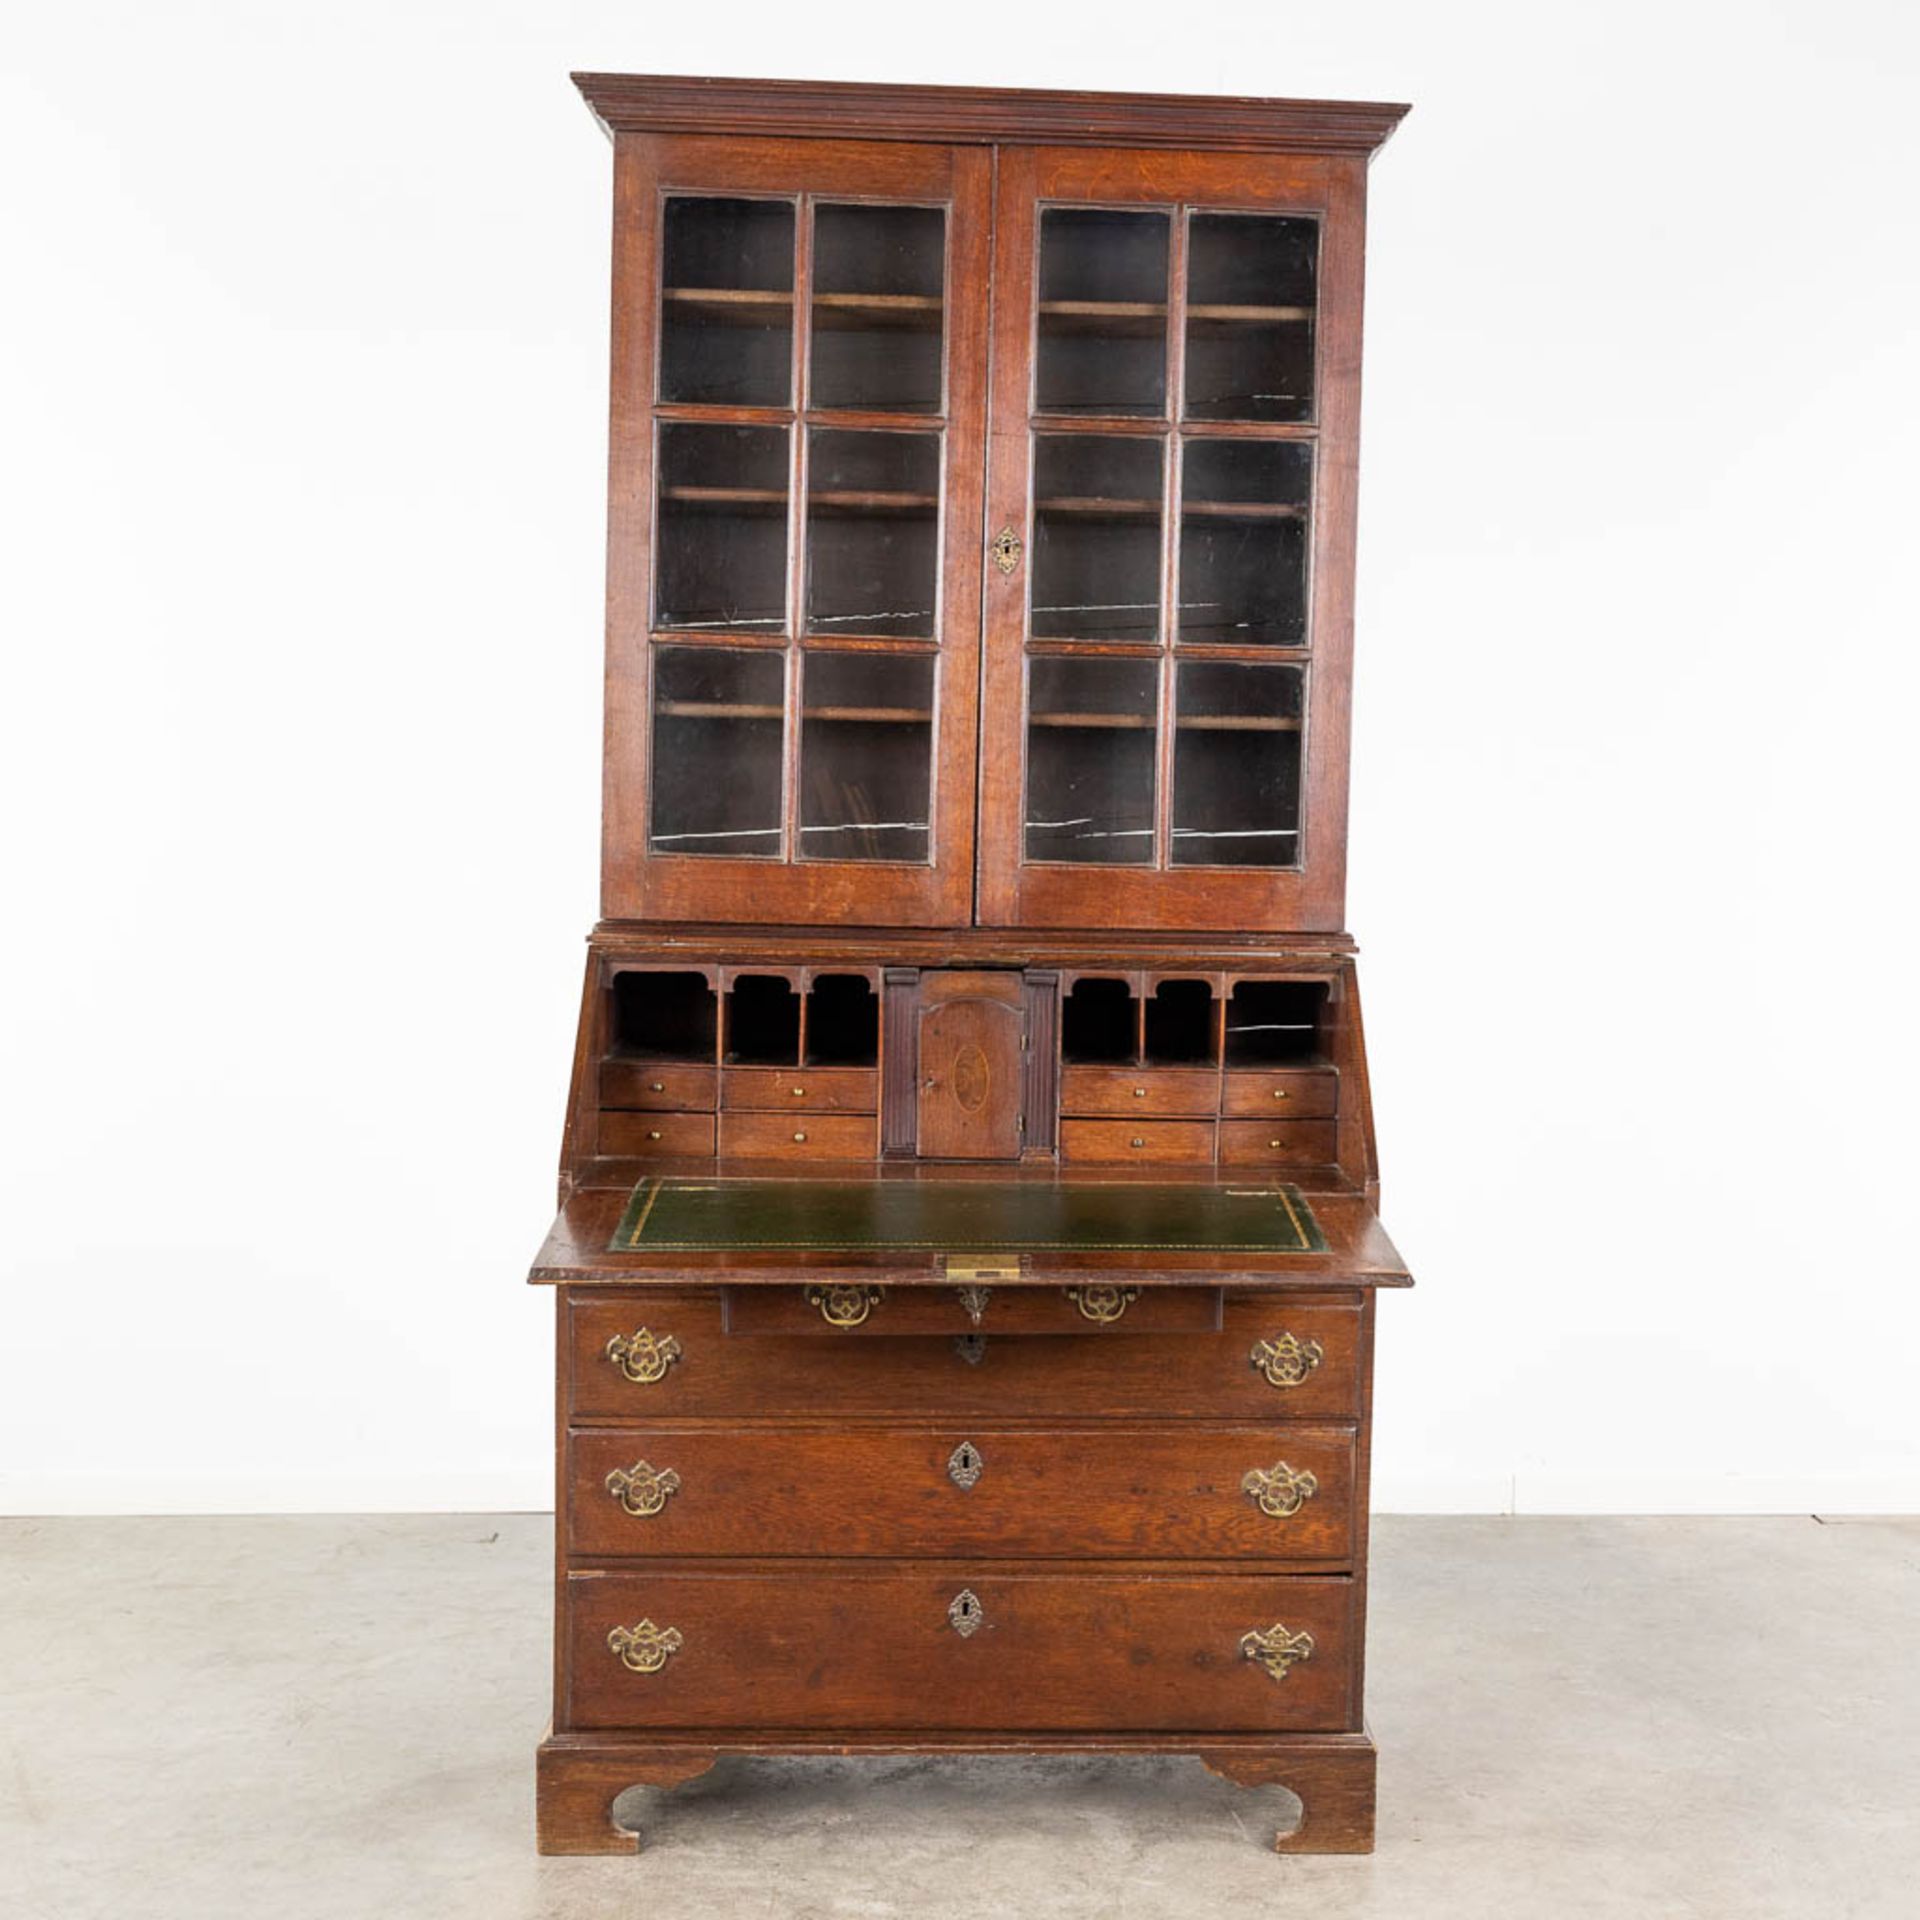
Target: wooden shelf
(850, 501)
(1241, 510)
(1095, 507)
(718, 710)
(873, 716)
(1192, 723)
(763, 307)
(762, 499)
(1147, 319)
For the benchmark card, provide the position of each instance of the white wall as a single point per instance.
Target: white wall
(303, 431)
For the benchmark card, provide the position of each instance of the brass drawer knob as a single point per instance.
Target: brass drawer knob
(645, 1648)
(1102, 1305)
(965, 1464)
(1279, 1093)
(1136, 1141)
(1285, 1361)
(799, 1136)
(799, 1093)
(643, 1490)
(844, 1306)
(966, 1613)
(1276, 1651)
(653, 1133)
(1139, 1093)
(643, 1356)
(1277, 1490)
(656, 1086)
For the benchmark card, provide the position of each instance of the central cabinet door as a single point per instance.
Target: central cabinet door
(795, 536)
(1170, 514)
(972, 1034)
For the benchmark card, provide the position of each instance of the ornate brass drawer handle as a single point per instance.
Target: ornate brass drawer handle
(645, 1648)
(641, 1489)
(1102, 1305)
(966, 1613)
(845, 1306)
(1276, 1651)
(643, 1356)
(965, 1464)
(1287, 1361)
(1277, 1490)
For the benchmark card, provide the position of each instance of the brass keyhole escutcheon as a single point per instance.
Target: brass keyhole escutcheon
(1007, 549)
(966, 1613)
(965, 1464)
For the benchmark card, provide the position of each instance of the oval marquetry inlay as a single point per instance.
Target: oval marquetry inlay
(972, 1079)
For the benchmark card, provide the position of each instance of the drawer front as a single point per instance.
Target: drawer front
(1277, 1143)
(657, 1355)
(1113, 1140)
(800, 1090)
(879, 1647)
(649, 1134)
(807, 1136)
(1286, 1096)
(1176, 1491)
(1150, 1091)
(642, 1088)
(1106, 1307)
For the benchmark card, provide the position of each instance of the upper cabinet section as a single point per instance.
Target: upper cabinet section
(794, 565)
(1170, 503)
(829, 538)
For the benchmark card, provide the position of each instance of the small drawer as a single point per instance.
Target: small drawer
(1109, 1306)
(812, 1136)
(957, 1643)
(650, 1353)
(651, 1134)
(800, 1090)
(1285, 1096)
(1277, 1143)
(1176, 1140)
(640, 1088)
(1135, 1090)
(1176, 1490)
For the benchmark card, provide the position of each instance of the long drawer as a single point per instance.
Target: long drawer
(957, 1645)
(650, 1355)
(1104, 1307)
(1176, 1491)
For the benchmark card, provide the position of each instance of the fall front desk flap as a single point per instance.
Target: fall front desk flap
(673, 1215)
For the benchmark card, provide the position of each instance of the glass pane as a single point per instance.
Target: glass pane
(1250, 317)
(866, 756)
(1243, 541)
(721, 557)
(1090, 739)
(1236, 765)
(726, 302)
(873, 533)
(1103, 312)
(717, 732)
(879, 274)
(1096, 544)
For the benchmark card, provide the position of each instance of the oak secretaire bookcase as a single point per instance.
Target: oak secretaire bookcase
(967, 1242)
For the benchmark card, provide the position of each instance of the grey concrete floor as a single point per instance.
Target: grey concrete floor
(302, 1717)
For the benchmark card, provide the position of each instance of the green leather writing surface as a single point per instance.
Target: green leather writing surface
(666, 1215)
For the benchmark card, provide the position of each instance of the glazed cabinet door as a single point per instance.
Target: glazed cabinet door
(1170, 529)
(799, 344)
